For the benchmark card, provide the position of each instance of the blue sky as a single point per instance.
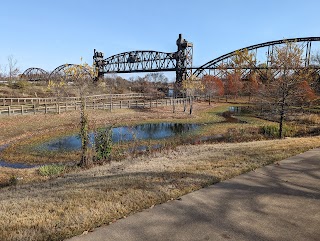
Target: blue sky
(47, 34)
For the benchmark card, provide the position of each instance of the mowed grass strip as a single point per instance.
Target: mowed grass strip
(85, 199)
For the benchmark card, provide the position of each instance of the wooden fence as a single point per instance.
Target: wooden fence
(106, 104)
(40, 101)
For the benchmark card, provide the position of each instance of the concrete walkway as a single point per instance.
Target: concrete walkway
(277, 202)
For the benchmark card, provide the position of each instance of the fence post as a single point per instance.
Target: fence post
(111, 102)
(9, 111)
(120, 104)
(34, 109)
(173, 106)
(21, 109)
(59, 110)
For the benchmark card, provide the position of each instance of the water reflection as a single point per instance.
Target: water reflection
(16, 165)
(124, 134)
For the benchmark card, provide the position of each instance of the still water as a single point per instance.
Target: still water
(123, 134)
(13, 165)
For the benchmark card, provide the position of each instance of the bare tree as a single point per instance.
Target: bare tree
(81, 77)
(284, 88)
(315, 58)
(13, 70)
(191, 86)
(2, 72)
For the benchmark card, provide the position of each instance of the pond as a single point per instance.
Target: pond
(123, 134)
(16, 165)
(13, 165)
(119, 134)
(235, 109)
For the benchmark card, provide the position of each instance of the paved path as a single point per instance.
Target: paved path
(277, 202)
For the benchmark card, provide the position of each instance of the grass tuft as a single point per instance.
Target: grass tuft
(51, 170)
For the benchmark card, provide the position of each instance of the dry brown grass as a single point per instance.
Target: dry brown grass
(15, 128)
(85, 199)
(22, 131)
(309, 119)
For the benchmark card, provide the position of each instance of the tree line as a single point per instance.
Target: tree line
(287, 85)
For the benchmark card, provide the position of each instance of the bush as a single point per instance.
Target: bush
(51, 170)
(242, 134)
(21, 84)
(103, 144)
(272, 131)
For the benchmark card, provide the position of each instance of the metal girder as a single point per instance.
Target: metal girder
(184, 57)
(34, 74)
(148, 61)
(61, 71)
(138, 61)
(179, 61)
(217, 62)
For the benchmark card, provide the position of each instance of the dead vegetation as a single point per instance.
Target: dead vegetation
(85, 199)
(81, 200)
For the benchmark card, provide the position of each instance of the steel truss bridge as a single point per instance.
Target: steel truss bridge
(181, 61)
(61, 72)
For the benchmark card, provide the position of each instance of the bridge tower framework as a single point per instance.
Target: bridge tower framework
(184, 56)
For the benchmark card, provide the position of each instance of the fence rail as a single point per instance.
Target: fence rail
(104, 104)
(39, 101)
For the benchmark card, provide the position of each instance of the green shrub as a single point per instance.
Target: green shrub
(103, 144)
(272, 131)
(51, 170)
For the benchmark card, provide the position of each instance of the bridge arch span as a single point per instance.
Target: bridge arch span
(34, 74)
(215, 63)
(61, 72)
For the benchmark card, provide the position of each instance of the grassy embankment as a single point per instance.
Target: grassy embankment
(84, 199)
(27, 132)
(24, 133)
